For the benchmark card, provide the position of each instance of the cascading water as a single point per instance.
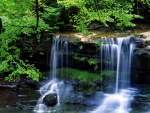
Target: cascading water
(58, 59)
(115, 55)
(58, 49)
(118, 54)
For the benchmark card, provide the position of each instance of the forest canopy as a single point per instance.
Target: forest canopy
(27, 19)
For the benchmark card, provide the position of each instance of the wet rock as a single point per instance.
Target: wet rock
(148, 106)
(141, 48)
(7, 87)
(32, 102)
(98, 83)
(76, 83)
(50, 99)
(75, 98)
(90, 103)
(140, 63)
(141, 52)
(88, 94)
(138, 105)
(139, 42)
(24, 106)
(11, 108)
(29, 83)
(73, 101)
(141, 100)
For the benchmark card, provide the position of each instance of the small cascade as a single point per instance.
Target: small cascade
(108, 51)
(59, 52)
(116, 54)
(58, 59)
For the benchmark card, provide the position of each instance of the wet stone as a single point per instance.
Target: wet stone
(141, 98)
(8, 87)
(76, 95)
(139, 42)
(50, 99)
(73, 101)
(138, 105)
(90, 103)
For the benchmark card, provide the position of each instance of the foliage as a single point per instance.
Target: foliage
(18, 68)
(76, 74)
(81, 14)
(51, 16)
(103, 11)
(10, 61)
(19, 25)
(98, 43)
(142, 8)
(108, 73)
(91, 61)
(145, 2)
(18, 18)
(87, 80)
(109, 77)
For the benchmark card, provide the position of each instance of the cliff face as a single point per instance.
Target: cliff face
(141, 61)
(87, 47)
(140, 66)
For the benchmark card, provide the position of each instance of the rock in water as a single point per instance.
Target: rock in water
(50, 99)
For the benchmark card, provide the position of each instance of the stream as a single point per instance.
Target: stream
(119, 96)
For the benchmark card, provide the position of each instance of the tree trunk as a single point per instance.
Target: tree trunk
(37, 15)
(1, 26)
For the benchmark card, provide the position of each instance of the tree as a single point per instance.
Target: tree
(117, 12)
(18, 17)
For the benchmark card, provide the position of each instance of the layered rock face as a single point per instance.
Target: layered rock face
(85, 48)
(141, 62)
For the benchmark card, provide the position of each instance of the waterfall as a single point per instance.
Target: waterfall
(116, 54)
(124, 57)
(59, 52)
(58, 59)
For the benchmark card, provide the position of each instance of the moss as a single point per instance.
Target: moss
(76, 74)
(87, 81)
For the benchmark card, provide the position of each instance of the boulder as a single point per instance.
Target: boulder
(139, 42)
(50, 99)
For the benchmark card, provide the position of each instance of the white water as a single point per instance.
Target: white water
(58, 49)
(119, 101)
(117, 53)
(54, 86)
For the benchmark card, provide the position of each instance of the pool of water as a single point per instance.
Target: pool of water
(69, 109)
